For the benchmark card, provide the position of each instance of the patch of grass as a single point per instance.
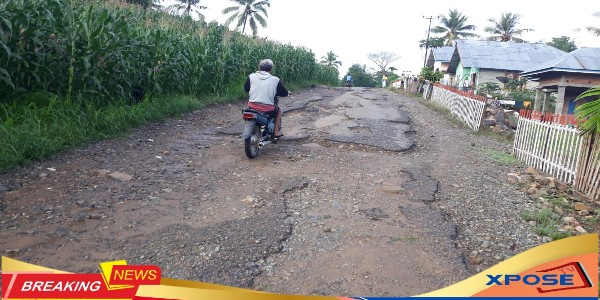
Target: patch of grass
(503, 138)
(502, 157)
(33, 132)
(591, 223)
(558, 201)
(550, 230)
(540, 216)
(547, 223)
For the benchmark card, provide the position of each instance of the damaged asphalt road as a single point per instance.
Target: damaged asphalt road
(350, 202)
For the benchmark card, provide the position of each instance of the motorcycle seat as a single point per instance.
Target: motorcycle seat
(256, 112)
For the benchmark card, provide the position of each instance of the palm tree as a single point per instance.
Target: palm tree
(434, 42)
(505, 29)
(248, 12)
(454, 26)
(563, 43)
(188, 7)
(330, 60)
(594, 30)
(589, 113)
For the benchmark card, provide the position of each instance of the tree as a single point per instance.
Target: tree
(428, 74)
(248, 12)
(505, 29)
(330, 60)
(489, 89)
(434, 42)
(391, 75)
(383, 59)
(454, 26)
(594, 30)
(563, 43)
(360, 76)
(515, 85)
(188, 7)
(588, 114)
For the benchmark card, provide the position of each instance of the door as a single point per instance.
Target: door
(571, 109)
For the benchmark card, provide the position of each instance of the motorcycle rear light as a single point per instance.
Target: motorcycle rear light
(248, 116)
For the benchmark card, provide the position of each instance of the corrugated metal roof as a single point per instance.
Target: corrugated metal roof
(582, 60)
(443, 54)
(504, 55)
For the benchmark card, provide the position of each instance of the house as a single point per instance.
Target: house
(568, 76)
(476, 62)
(441, 61)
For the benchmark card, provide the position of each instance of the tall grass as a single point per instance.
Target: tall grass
(68, 68)
(30, 132)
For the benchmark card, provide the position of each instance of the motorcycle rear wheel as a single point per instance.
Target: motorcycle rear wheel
(251, 144)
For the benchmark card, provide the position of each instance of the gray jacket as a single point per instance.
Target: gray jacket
(263, 87)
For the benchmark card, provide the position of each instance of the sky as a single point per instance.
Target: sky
(353, 29)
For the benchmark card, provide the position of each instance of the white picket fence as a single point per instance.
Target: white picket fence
(427, 90)
(468, 110)
(550, 147)
(547, 142)
(588, 167)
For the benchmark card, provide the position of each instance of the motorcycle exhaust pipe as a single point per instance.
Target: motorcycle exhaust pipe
(262, 144)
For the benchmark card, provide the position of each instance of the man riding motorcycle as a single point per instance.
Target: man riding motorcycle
(264, 88)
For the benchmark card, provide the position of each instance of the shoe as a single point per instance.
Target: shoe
(278, 135)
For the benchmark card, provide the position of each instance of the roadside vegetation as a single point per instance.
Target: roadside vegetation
(503, 138)
(502, 157)
(73, 71)
(562, 215)
(547, 223)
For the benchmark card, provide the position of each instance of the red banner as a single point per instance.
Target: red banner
(57, 286)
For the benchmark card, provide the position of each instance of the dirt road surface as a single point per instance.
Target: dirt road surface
(369, 193)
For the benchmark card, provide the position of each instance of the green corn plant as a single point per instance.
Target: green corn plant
(99, 50)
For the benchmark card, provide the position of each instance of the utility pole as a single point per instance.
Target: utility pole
(427, 42)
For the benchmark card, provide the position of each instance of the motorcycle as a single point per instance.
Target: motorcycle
(348, 83)
(259, 131)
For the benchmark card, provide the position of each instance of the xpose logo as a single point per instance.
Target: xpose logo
(564, 277)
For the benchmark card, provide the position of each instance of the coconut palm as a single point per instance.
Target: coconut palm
(434, 42)
(563, 43)
(454, 27)
(505, 29)
(248, 12)
(188, 7)
(589, 113)
(330, 60)
(594, 30)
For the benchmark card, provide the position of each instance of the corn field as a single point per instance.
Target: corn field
(101, 50)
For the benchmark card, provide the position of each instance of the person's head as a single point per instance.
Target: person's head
(265, 65)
